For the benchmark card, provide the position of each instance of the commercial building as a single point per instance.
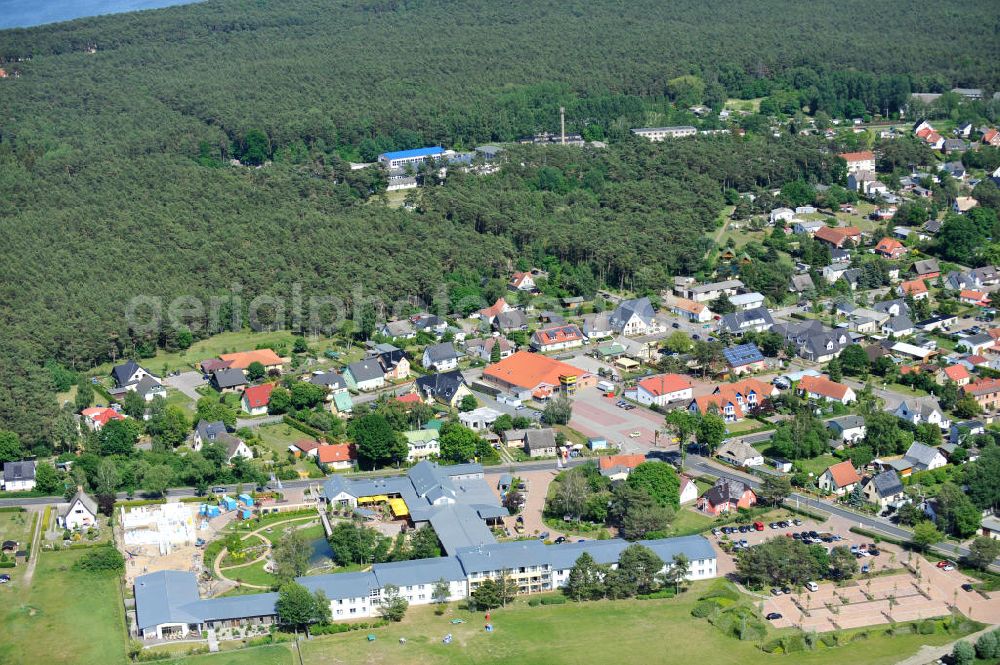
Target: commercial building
(415, 157)
(657, 134)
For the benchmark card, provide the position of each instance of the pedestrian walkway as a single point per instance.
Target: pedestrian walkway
(929, 654)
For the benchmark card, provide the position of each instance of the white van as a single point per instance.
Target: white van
(605, 386)
(812, 586)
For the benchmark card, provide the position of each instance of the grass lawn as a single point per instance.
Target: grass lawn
(17, 526)
(689, 521)
(65, 617)
(906, 390)
(278, 437)
(179, 399)
(279, 654)
(817, 465)
(662, 631)
(252, 574)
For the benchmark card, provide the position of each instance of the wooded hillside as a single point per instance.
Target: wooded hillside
(113, 175)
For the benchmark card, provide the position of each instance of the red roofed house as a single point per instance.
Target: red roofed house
(97, 417)
(986, 392)
(958, 373)
(340, 456)
(409, 398)
(839, 478)
(618, 467)
(693, 311)
(491, 312)
(663, 389)
(820, 387)
(557, 338)
(992, 137)
(837, 237)
(859, 161)
(256, 398)
(890, 248)
(915, 287)
(732, 400)
(242, 360)
(521, 281)
(934, 141)
(978, 298)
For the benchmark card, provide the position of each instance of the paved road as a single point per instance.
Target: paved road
(869, 522)
(254, 423)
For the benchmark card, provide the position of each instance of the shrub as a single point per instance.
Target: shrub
(927, 627)
(773, 646)
(703, 608)
(986, 646)
(534, 602)
(829, 639)
(103, 559)
(859, 636)
(793, 643)
(662, 593)
(554, 600)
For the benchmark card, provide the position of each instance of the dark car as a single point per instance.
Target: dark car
(965, 587)
(773, 616)
(4, 578)
(797, 536)
(696, 337)
(675, 325)
(775, 591)
(560, 540)
(785, 590)
(219, 490)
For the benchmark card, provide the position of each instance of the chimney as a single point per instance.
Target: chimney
(562, 124)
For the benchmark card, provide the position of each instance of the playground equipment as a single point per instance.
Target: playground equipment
(489, 628)
(457, 621)
(447, 639)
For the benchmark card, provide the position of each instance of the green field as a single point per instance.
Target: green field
(65, 617)
(662, 631)
(271, 655)
(689, 521)
(817, 465)
(17, 526)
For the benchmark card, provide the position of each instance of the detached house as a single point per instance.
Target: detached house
(228, 380)
(79, 513)
(691, 310)
(958, 373)
(96, 417)
(839, 478)
(446, 388)
(726, 495)
(128, 373)
(522, 281)
(512, 319)
(557, 338)
(422, 443)
(739, 453)
(340, 456)
(206, 432)
(740, 322)
(890, 248)
(365, 375)
(488, 314)
(849, 429)
(884, 490)
(663, 389)
(483, 348)
(440, 357)
(130, 377)
(744, 359)
(924, 458)
(540, 442)
(19, 476)
(921, 411)
(859, 161)
(916, 288)
(820, 387)
(635, 317)
(619, 467)
(256, 398)
(837, 237)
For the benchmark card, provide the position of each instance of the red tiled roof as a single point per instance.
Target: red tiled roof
(496, 308)
(341, 452)
(820, 385)
(305, 445)
(844, 474)
(258, 396)
(530, 370)
(914, 286)
(982, 387)
(101, 415)
(977, 296)
(630, 461)
(409, 398)
(956, 372)
(990, 135)
(244, 359)
(976, 359)
(720, 400)
(518, 278)
(857, 156)
(558, 335)
(888, 246)
(664, 384)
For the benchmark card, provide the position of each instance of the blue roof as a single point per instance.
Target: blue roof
(459, 526)
(340, 585)
(416, 152)
(743, 354)
(420, 571)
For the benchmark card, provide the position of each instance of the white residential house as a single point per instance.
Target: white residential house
(19, 476)
(440, 357)
(79, 513)
(664, 389)
(747, 301)
(924, 458)
(849, 429)
(781, 215)
(421, 444)
(923, 411)
(689, 490)
(839, 479)
(479, 419)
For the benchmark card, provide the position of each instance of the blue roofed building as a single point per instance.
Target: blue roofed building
(168, 604)
(415, 157)
(744, 358)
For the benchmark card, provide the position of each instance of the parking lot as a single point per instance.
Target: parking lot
(596, 415)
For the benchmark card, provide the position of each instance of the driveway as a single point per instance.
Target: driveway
(537, 482)
(186, 382)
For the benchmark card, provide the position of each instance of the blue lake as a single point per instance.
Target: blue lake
(26, 13)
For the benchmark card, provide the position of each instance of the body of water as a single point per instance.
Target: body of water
(26, 13)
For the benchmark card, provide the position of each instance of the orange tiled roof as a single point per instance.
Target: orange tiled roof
(244, 359)
(530, 370)
(820, 385)
(844, 474)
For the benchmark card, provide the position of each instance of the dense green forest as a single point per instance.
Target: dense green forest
(114, 180)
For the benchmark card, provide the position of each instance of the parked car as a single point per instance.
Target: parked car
(218, 490)
(773, 616)
(967, 587)
(812, 586)
(775, 591)
(759, 526)
(560, 540)
(4, 578)
(544, 535)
